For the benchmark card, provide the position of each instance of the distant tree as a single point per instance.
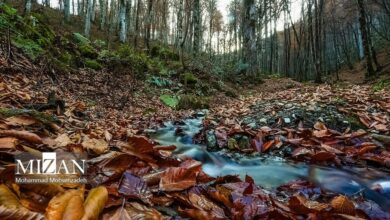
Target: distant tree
(27, 6)
(249, 37)
(366, 38)
(67, 11)
(122, 21)
(87, 26)
(197, 27)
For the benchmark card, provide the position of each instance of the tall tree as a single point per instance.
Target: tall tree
(197, 27)
(249, 37)
(366, 38)
(122, 21)
(27, 6)
(67, 11)
(87, 26)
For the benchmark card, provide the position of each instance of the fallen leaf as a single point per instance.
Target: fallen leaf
(57, 205)
(342, 205)
(94, 203)
(133, 187)
(24, 135)
(177, 179)
(300, 205)
(21, 120)
(267, 145)
(8, 142)
(63, 140)
(98, 146)
(74, 209)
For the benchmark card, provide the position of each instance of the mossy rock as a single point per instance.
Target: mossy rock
(28, 46)
(66, 57)
(193, 102)
(88, 51)
(93, 64)
(164, 53)
(80, 39)
(189, 78)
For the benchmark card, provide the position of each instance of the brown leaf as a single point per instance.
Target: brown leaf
(98, 146)
(142, 144)
(177, 179)
(202, 203)
(63, 140)
(8, 142)
(57, 205)
(321, 133)
(267, 145)
(320, 126)
(74, 209)
(24, 135)
(19, 214)
(21, 120)
(300, 205)
(331, 149)
(322, 156)
(94, 204)
(342, 205)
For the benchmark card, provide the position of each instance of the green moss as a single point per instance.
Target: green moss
(80, 39)
(88, 51)
(193, 102)
(381, 85)
(189, 78)
(28, 46)
(66, 57)
(44, 118)
(169, 100)
(93, 64)
(354, 122)
(164, 53)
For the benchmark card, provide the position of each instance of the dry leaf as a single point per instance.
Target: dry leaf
(58, 204)
(8, 142)
(75, 209)
(94, 204)
(342, 205)
(24, 135)
(177, 179)
(98, 146)
(63, 140)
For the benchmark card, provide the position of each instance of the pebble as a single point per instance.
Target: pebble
(287, 120)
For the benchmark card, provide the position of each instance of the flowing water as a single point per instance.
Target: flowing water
(271, 172)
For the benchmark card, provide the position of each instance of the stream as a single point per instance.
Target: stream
(270, 171)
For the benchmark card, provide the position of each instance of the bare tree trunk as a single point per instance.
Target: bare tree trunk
(137, 23)
(67, 11)
(27, 7)
(366, 39)
(249, 41)
(148, 24)
(102, 6)
(197, 27)
(122, 21)
(87, 28)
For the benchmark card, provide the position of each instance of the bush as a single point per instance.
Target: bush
(93, 64)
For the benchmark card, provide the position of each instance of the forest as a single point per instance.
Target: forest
(194, 109)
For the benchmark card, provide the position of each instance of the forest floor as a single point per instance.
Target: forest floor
(334, 126)
(111, 118)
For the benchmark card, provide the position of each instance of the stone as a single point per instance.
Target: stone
(232, 143)
(211, 140)
(263, 121)
(287, 120)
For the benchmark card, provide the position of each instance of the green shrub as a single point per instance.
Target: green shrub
(88, 51)
(93, 64)
(80, 39)
(189, 78)
(28, 46)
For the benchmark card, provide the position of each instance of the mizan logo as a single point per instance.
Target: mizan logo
(50, 169)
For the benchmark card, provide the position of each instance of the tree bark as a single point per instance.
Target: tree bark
(197, 27)
(366, 39)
